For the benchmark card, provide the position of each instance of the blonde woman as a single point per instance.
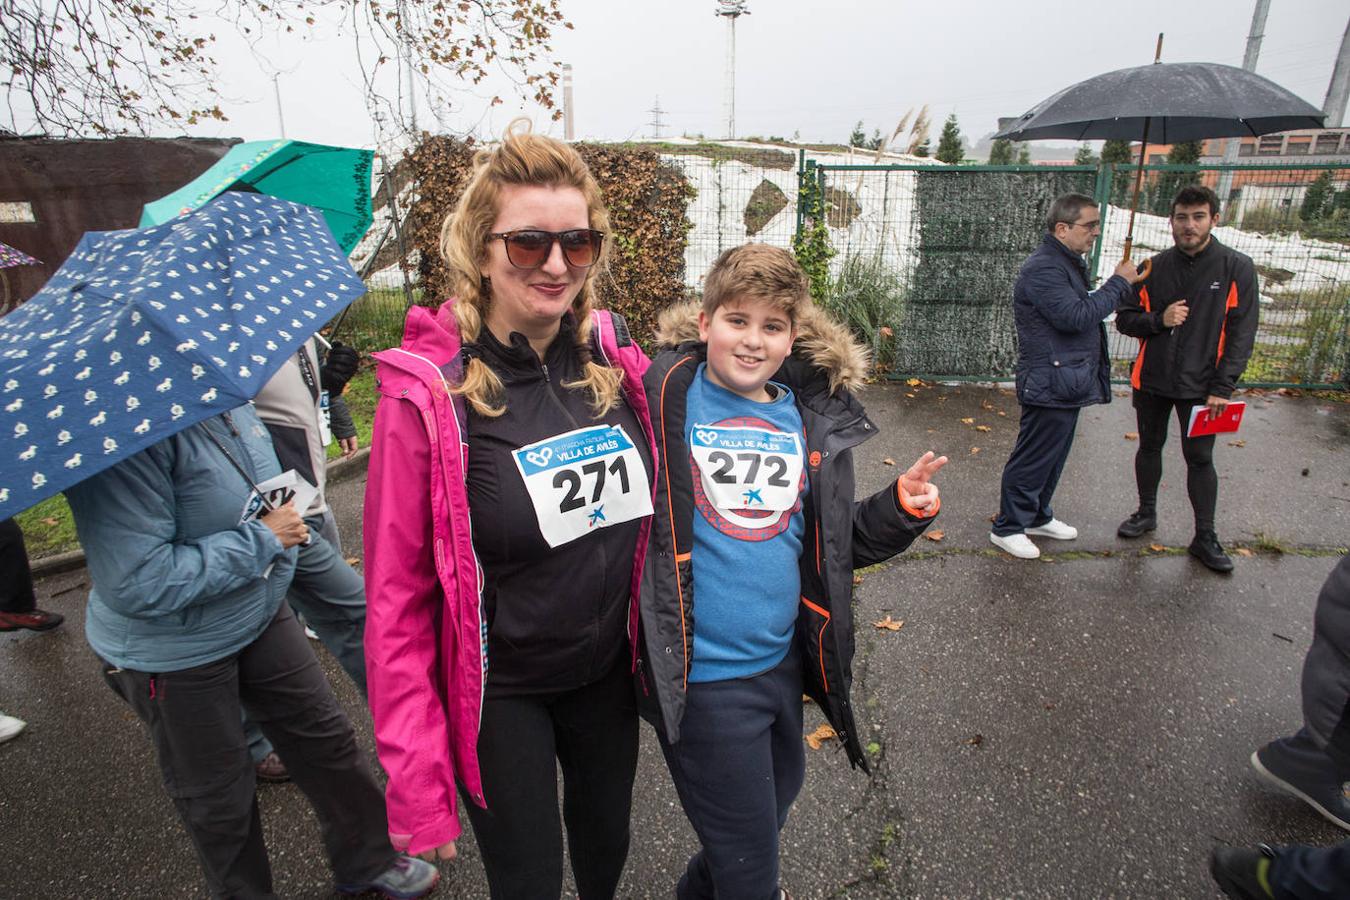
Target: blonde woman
(506, 519)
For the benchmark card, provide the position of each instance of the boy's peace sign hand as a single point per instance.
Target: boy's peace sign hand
(916, 485)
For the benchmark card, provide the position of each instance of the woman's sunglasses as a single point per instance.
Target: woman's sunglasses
(529, 248)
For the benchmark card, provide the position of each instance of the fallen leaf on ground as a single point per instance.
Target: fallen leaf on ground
(353, 560)
(886, 331)
(819, 736)
(1238, 443)
(889, 624)
(857, 579)
(1242, 551)
(1156, 548)
(983, 428)
(974, 450)
(1122, 393)
(985, 404)
(888, 461)
(935, 535)
(970, 421)
(1131, 435)
(50, 520)
(975, 740)
(911, 396)
(913, 382)
(1002, 413)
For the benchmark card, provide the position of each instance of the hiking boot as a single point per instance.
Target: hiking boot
(408, 877)
(33, 620)
(1242, 873)
(1019, 545)
(1056, 529)
(271, 769)
(1206, 548)
(1137, 524)
(1296, 766)
(10, 727)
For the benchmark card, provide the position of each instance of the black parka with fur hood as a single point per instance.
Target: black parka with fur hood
(841, 534)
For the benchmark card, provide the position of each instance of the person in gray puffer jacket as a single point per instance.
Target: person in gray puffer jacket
(187, 619)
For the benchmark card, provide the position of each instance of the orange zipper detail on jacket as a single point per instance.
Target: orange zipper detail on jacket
(820, 640)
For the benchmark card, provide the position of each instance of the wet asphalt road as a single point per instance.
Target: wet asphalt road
(1072, 727)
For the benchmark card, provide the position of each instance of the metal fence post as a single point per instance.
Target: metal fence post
(1102, 194)
(801, 180)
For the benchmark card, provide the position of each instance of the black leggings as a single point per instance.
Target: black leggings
(16, 579)
(1202, 482)
(592, 732)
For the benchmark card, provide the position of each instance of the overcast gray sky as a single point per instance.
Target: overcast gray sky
(810, 69)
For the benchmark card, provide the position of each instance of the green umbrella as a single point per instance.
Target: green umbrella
(333, 180)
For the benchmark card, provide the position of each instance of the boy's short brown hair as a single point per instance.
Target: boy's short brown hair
(758, 272)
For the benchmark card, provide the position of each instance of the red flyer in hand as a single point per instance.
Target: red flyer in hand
(1226, 421)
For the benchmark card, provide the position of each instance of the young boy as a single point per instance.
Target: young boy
(746, 590)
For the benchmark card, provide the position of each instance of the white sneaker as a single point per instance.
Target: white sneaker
(1054, 529)
(10, 727)
(1018, 545)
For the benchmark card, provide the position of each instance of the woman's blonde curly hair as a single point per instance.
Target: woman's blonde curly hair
(522, 158)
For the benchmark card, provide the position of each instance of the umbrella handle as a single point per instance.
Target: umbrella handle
(1145, 268)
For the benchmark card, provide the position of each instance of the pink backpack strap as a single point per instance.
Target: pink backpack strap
(616, 347)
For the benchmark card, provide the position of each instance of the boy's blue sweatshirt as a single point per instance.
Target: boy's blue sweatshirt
(746, 579)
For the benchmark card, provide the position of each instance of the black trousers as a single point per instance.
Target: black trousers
(1303, 873)
(738, 766)
(16, 579)
(1031, 475)
(1202, 482)
(592, 733)
(194, 720)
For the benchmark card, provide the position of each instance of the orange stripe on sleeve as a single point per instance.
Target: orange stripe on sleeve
(1231, 303)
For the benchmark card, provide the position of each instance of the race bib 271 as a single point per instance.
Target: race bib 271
(583, 480)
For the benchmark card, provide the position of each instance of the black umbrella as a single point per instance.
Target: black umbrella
(1174, 102)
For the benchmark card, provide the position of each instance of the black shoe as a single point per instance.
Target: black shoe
(1206, 548)
(1138, 523)
(1241, 873)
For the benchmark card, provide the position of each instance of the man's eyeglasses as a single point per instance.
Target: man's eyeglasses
(1088, 225)
(529, 248)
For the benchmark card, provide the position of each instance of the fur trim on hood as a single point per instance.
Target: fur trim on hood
(821, 340)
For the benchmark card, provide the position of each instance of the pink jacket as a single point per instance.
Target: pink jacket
(426, 636)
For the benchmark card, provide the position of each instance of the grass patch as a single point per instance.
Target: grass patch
(48, 528)
(375, 321)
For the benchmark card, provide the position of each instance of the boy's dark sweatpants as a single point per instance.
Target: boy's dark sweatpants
(737, 766)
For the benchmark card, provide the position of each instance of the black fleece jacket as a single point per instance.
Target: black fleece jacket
(557, 616)
(1206, 354)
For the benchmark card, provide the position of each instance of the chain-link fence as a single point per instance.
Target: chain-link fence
(926, 257)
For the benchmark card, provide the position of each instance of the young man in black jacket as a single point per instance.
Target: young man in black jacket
(1195, 318)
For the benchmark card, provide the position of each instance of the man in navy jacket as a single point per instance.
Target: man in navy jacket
(1062, 366)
